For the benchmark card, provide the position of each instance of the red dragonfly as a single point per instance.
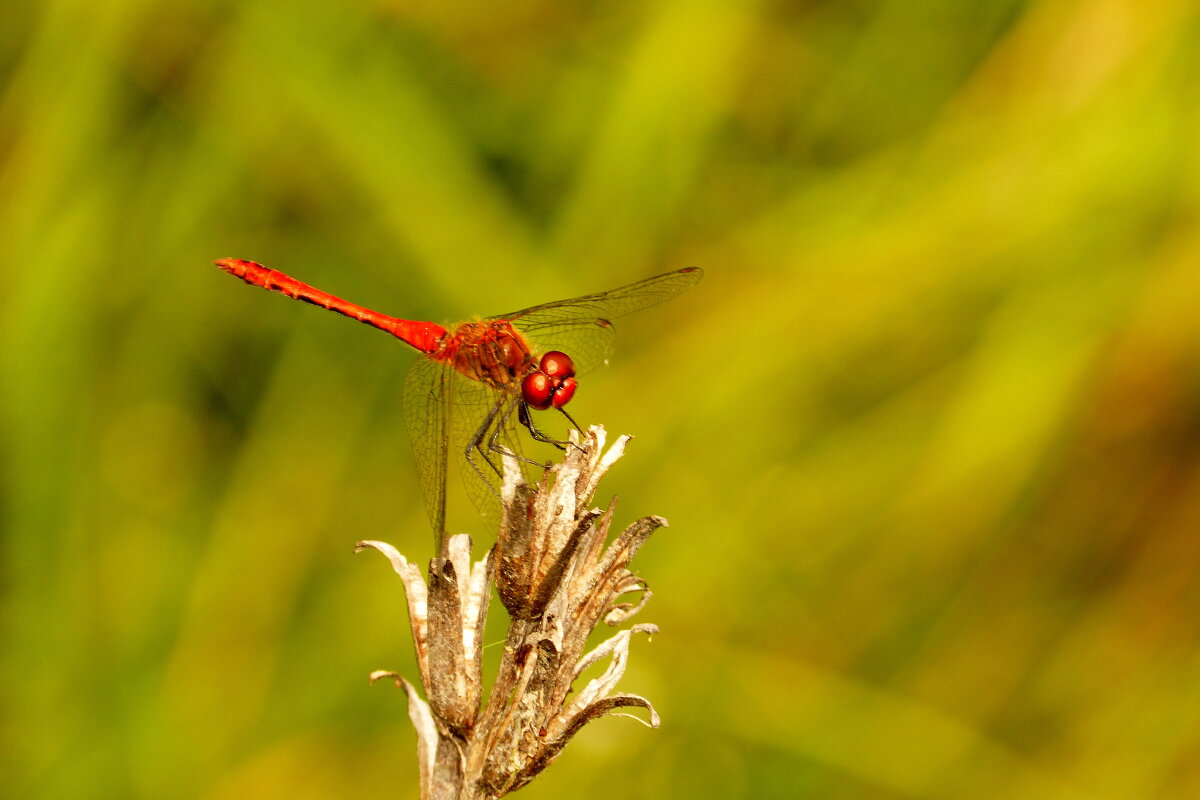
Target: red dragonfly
(481, 380)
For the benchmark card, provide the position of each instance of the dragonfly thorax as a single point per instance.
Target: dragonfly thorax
(489, 352)
(496, 354)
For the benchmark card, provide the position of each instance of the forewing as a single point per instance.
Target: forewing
(581, 326)
(589, 343)
(447, 414)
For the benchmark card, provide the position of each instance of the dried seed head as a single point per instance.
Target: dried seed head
(558, 581)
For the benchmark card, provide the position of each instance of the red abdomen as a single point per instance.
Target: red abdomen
(424, 336)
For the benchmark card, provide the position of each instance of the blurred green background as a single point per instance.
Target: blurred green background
(927, 433)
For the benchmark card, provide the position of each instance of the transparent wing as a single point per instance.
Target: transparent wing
(453, 418)
(589, 344)
(611, 304)
(425, 393)
(582, 326)
(483, 419)
(445, 413)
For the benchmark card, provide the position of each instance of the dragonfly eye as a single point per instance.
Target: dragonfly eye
(557, 364)
(563, 393)
(537, 390)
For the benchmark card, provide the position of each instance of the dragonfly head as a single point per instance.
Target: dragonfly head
(552, 384)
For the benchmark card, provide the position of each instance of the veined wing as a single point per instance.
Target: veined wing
(425, 416)
(444, 411)
(582, 326)
(480, 412)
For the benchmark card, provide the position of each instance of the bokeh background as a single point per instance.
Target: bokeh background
(927, 433)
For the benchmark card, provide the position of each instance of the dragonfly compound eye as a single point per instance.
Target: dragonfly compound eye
(564, 392)
(557, 364)
(537, 389)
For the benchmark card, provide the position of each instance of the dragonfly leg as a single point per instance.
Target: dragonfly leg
(526, 419)
(495, 422)
(474, 446)
(494, 443)
(574, 425)
(571, 420)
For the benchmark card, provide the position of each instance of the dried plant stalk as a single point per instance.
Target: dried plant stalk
(558, 582)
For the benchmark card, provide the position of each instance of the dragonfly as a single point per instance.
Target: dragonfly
(480, 381)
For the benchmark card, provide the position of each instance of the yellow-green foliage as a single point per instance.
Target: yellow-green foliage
(927, 433)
